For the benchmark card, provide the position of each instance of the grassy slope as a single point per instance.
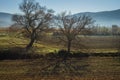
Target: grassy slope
(93, 44)
(9, 42)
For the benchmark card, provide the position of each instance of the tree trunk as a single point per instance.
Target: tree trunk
(32, 40)
(68, 51)
(69, 46)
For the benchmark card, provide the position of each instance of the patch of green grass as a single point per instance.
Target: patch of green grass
(9, 42)
(95, 44)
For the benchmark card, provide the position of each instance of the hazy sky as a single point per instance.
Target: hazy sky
(75, 6)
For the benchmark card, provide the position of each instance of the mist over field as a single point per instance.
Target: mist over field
(103, 18)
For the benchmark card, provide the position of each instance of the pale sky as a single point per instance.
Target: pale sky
(75, 6)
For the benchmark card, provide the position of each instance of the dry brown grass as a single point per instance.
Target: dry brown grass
(92, 68)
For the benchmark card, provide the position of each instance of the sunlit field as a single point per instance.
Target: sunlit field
(7, 42)
(86, 68)
(92, 44)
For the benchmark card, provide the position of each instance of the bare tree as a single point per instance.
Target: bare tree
(71, 26)
(33, 19)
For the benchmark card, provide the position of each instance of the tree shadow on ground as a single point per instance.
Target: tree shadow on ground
(56, 65)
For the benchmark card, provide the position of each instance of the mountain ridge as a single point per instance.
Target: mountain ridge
(5, 19)
(102, 18)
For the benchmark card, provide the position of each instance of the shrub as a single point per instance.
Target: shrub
(17, 53)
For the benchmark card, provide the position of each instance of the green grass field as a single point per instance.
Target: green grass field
(7, 42)
(89, 68)
(93, 44)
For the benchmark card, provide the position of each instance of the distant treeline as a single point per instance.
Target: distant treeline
(98, 30)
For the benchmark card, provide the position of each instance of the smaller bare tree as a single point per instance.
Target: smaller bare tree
(33, 19)
(70, 27)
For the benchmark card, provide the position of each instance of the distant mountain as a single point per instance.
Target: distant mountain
(5, 19)
(104, 18)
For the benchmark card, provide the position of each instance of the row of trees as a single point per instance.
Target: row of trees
(102, 30)
(36, 19)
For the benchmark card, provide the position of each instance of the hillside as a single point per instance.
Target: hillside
(104, 18)
(5, 19)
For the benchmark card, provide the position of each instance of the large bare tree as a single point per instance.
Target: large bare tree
(34, 19)
(70, 27)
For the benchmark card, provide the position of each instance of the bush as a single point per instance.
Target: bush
(105, 54)
(65, 54)
(79, 54)
(17, 53)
